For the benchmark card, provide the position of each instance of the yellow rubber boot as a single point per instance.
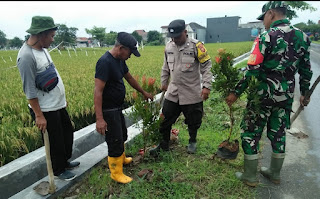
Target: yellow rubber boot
(126, 160)
(116, 169)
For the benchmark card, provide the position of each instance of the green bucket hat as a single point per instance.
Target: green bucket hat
(40, 24)
(271, 5)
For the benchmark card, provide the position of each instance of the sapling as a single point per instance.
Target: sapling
(147, 111)
(226, 78)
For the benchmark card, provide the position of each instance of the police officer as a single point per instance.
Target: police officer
(185, 60)
(278, 54)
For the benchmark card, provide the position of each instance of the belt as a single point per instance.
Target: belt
(112, 109)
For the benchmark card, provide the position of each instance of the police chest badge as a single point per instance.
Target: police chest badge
(203, 55)
(255, 57)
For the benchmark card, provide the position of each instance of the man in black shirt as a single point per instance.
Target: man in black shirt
(109, 94)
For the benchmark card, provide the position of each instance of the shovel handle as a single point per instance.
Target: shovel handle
(162, 97)
(307, 96)
(52, 187)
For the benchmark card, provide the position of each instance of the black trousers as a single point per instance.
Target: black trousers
(193, 118)
(60, 131)
(117, 133)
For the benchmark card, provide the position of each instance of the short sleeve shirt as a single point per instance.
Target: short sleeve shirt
(112, 71)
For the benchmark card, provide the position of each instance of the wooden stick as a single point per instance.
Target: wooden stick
(52, 187)
(56, 46)
(307, 97)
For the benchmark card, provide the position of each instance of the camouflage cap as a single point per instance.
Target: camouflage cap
(271, 5)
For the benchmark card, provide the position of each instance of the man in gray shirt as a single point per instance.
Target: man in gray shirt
(47, 104)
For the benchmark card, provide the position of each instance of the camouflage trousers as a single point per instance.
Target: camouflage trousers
(276, 118)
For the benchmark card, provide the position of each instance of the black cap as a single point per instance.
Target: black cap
(129, 41)
(176, 27)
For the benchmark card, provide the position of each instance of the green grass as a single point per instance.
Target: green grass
(177, 174)
(316, 42)
(242, 64)
(18, 136)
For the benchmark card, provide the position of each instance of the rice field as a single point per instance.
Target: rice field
(19, 136)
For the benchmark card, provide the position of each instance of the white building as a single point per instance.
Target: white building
(194, 31)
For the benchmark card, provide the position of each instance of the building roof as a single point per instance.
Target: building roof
(194, 25)
(82, 39)
(224, 17)
(141, 32)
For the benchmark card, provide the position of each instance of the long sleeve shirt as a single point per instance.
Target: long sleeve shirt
(277, 55)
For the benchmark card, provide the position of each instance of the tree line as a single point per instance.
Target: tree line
(310, 28)
(68, 35)
(69, 38)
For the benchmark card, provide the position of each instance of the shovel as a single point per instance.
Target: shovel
(308, 95)
(45, 187)
(161, 98)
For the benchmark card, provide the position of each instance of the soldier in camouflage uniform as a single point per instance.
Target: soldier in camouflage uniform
(277, 55)
(185, 60)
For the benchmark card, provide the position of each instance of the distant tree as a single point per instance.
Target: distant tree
(15, 42)
(309, 28)
(153, 35)
(155, 38)
(137, 36)
(110, 38)
(297, 5)
(98, 33)
(310, 22)
(3, 39)
(300, 25)
(65, 34)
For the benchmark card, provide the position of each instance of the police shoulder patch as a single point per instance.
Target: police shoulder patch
(203, 55)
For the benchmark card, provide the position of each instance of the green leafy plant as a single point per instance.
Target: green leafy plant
(225, 79)
(148, 111)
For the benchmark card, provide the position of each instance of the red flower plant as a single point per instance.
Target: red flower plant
(144, 80)
(151, 81)
(134, 95)
(221, 51)
(218, 59)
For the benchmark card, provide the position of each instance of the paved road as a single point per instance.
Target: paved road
(300, 174)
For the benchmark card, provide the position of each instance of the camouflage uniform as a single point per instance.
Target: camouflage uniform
(277, 55)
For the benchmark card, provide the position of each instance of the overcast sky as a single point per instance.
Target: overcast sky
(15, 16)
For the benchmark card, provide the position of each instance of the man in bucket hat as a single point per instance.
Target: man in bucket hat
(278, 54)
(47, 106)
(109, 94)
(185, 60)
